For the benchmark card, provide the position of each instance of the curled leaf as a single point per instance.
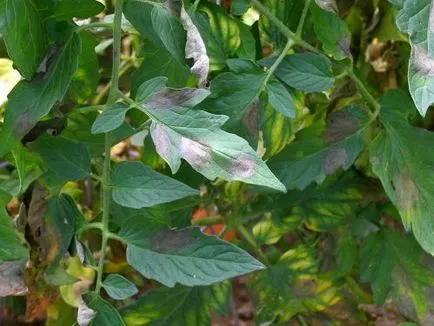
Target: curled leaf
(329, 5)
(195, 49)
(84, 315)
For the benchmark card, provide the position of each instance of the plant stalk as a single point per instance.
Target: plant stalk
(366, 94)
(244, 233)
(112, 97)
(281, 26)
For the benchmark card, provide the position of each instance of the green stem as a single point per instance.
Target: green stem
(241, 230)
(195, 5)
(94, 25)
(366, 94)
(281, 26)
(279, 59)
(209, 220)
(112, 97)
(300, 26)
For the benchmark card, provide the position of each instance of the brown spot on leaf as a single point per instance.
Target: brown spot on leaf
(161, 139)
(169, 241)
(339, 126)
(251, 119)
(334, 159)
(345, 45)
(329, 5)
(407, 192)
(195, 153)
(168, 98)
(243, 166)
(422, 62)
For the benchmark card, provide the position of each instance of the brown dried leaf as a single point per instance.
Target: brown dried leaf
(11, 279)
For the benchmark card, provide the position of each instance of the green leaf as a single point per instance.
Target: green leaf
(110, 119)
(69, 160)
(209, 150)
(155, 21)
(322, 148)
(31, 100)
(280, 99)
(239, 7)
(86, 78)
(79, 130)
(118, 287)
(331, 31)
(178, 306)
(308, 72)
(185, 256)
(24, 35)
(12, 246)
(106, 314)
(219, 31)
(400, 159)
(159, 62)
(377, 262)
(68, 9)
(136, 185)
(415, 19)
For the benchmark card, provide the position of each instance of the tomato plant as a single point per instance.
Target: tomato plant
(216, 162)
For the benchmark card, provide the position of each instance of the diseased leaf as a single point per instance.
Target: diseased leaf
(321, 208)
(219, 31)
(195, 49)
(12, 246)
(23, 32)
(331, 30)
(118, 287)
(416, 18)
(209, 150)
(12, 279)
(276, 130)
(31, 100)
(110, 119)
(234, 93)
(308, 72)
(321, 149)
(185, 256)
(178, 306)
(68, 9)
(329, 5)
(136, 185)
(399, 158)
(382, 257)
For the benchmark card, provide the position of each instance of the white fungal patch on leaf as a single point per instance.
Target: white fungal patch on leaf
(329, 5)
(422, 62)
(431, 17)
(11, 279)
(243, 166)
(195, 49)
(195, 153)
(84, 314)
(161, 139)
(334, 159)
(407, 192)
